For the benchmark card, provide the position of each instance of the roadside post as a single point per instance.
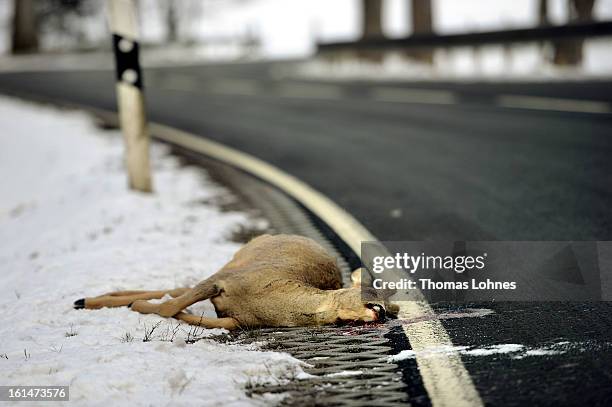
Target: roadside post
(123, 24)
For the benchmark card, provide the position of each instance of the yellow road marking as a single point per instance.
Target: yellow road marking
(445, 378)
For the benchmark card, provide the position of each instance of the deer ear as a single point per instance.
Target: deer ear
(356, 277)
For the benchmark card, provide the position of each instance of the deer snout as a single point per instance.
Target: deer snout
(379, 310)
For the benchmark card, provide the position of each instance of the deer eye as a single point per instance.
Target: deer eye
(379, 309)
(375, 307)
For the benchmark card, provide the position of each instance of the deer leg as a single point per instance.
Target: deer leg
(227, 323)
(202, 291)
(123, 298)
(174, 293)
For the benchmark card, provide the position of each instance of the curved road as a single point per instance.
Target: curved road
(424, 161)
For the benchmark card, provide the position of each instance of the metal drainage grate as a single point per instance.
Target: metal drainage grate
(348, 363)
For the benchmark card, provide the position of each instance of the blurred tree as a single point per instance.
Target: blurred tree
(63, 19)
(171, 21)
(543, 12)
(372, 27)
(372, 18)
(25, 27)
(543, 22)
(181, 18)
(570, 52)
(422, 24)
(34, 19)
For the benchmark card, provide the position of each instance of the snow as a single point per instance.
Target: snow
(431, 351)
(495, 349)
(345, 373)
(542, 352)
(69, 228)
(513, 350)
(517, 62)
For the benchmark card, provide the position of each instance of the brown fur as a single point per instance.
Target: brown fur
(273, 281)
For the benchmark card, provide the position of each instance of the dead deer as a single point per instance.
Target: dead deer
(272, 281)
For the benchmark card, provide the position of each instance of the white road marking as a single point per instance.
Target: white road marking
(405, 95)
(310, 91)
(553, 104)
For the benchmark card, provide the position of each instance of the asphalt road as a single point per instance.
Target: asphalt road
(425, 161)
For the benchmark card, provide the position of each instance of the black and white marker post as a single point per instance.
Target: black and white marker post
(132, 116)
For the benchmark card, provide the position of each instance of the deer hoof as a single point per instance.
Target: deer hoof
(79, 304)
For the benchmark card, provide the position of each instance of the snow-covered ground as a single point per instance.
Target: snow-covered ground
(69, 228)
(517, 62)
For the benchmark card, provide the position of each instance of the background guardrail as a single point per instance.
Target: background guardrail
(543, 33)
